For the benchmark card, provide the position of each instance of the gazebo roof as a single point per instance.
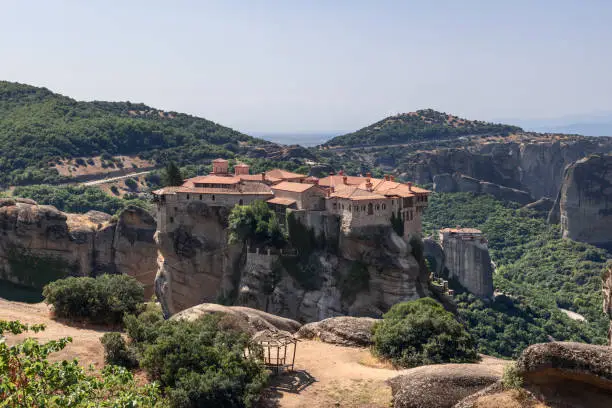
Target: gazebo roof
(274, 337)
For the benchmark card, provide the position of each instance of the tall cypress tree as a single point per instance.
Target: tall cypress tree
(172, 176)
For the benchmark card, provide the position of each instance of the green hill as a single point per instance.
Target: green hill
(426, 124)
(39, 127)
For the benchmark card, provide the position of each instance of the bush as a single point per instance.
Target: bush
(131, 184)
(512, 379)
(422, 332)
(255, 223)
(116, 351)
(202, 363)
(104, 299)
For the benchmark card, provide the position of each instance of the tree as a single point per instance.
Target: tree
(421, 332)
(172, 175)
(29, 379)
(255, 223)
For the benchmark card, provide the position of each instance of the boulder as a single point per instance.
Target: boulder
(252, 319)
(569, 374)
(442, 385)
(343, 330)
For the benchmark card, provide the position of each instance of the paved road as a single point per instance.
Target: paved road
(113, 179)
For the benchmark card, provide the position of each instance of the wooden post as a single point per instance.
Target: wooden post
(293, 360)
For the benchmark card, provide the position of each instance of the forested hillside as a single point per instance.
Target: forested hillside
(38, 127)
(537, 271)
(426, 124)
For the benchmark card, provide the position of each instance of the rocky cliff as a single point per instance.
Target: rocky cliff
(584, 203)
(533, 166)
(40, 243)
(457, 182)
(362, 274)
(607, 293)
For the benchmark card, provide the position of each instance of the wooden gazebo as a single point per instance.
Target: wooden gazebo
(277, 349)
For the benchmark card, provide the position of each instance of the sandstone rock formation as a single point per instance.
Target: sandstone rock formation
(442, 385)
(252, 319)
(40, 243)
(360, 274)
(584, 202)
(344, 330)
(533, 166)
(434, 253)
(541, 207)
(607, 294)
(453, 183)
(569, 374)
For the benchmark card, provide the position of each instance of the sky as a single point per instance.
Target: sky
(317, 66)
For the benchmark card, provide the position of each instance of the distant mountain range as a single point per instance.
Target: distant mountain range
(599, 124)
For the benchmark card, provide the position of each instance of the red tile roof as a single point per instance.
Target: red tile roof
(281, 201)
(293, 187)
(211, 179)
(283, 174)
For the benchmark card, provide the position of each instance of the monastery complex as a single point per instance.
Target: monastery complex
(358, 201)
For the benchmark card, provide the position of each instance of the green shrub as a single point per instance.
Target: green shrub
(104, 299)
(422, 332)
(512, 379)
(255, 223)
(116, 351)
(202, 363)
(131, 184)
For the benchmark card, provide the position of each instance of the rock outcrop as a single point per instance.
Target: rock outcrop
(568, 374)
(40, 243)
(252, 320)
(607, 294)
(344, 330)
(363, 273)
(455, 183)
(441, 385)
(533, 166)
(584, 202)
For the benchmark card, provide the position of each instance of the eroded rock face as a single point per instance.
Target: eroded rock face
(363, 275)
(570, 374)
(607, 294)
(584, 203)
(534, 167)
(40, 243)
(346, 331)
(454, 183)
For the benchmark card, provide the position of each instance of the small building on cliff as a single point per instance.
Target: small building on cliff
(468, 260)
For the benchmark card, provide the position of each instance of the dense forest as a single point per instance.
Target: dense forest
(426, 124)
(538, 272)
(39, 127)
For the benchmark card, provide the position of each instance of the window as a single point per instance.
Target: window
(188, 196)
(213, 198)
(384, 206)
(171, 220)
(356, 208)
(335, 206)
(370, 209)
(349, 208)
(377, 207)
(239, 201)
(363, 208)
(343, 206)
(175, 208)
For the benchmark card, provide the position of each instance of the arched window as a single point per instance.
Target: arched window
(370, 209)
(188, 196)
(377, 207)
(213, 198)
(240, 202)
(384, 206)
(200, 197)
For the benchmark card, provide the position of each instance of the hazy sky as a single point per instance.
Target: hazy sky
(309, 66)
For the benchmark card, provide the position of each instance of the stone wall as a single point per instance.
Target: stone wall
(584, 202)
(467, 260)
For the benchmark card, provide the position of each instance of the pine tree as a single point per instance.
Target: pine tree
(172, 176)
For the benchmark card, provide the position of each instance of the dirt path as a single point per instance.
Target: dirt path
(86, 344)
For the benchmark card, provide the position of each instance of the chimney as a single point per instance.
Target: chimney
(341, 173)
(263, 176)
(344, 180)
(332, 189)
(409, 185)
(316, 182)
(392, 178)
(386, 177)
(368, 174)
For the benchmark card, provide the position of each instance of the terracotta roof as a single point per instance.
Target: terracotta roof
(356, 193)
(250, 177)
(337, 180)
(221, 191)
(220, 160)
(291, 186)
(462, 230)
(211, 179)
(283, 174)
(281, 201)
